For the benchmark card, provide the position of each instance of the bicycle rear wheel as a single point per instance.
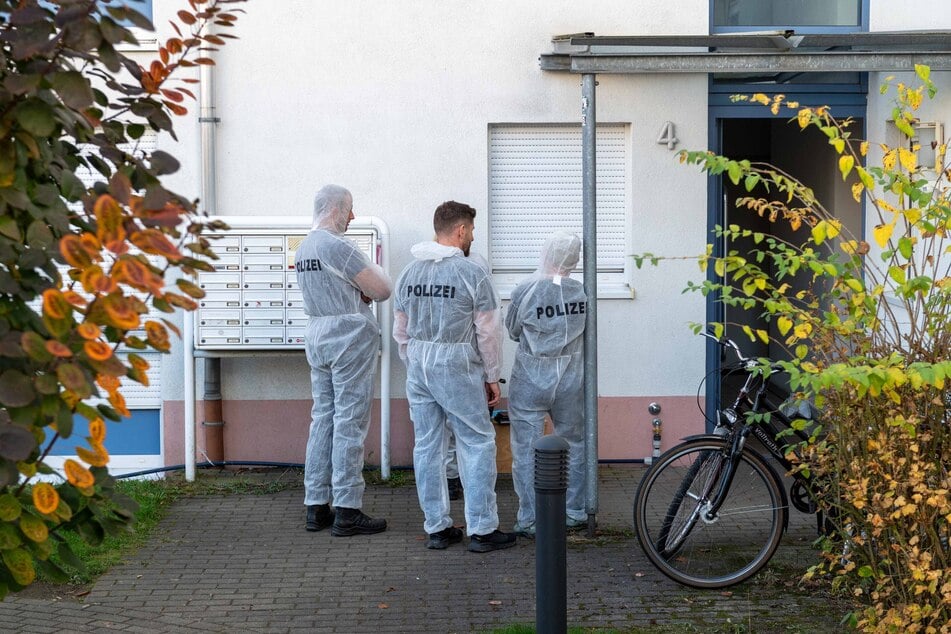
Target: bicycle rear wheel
(674, 527)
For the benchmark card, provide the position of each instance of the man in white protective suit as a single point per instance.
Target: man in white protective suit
(447, 322)
(547, 318)
(338, 282)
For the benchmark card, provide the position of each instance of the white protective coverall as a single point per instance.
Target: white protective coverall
(547, 318)
(447, 323)
(342, 340)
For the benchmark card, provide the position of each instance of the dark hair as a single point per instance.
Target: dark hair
(450, 214)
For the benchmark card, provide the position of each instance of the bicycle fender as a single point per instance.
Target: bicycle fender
(701, 437)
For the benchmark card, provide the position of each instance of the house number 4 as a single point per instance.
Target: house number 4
(667, 135)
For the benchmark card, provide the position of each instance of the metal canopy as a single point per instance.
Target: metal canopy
(771, 52)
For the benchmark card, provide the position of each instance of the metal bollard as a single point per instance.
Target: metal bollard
(551, 577)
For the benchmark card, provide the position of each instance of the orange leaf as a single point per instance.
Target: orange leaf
(74, 298)
(118, 403)
(172, 94)
(109, 220)
(107, 382)
(120, 311)
(73, 251)
(154, 241)
(97, 350)
(132, 271)
(180, 301)
(94, 280)
(148, 84)
(55, 305)
(138, 362)
(45, 497)
(78, 475)
(89, 331)
(97, 430)
(92, 246)
(157, 335)
(58, 349)
(175, 108)
(99, 457)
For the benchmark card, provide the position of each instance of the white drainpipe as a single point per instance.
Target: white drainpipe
(209, 202)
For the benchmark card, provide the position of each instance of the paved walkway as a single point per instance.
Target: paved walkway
(243, 563)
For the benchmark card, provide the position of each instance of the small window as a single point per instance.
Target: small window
(535, 188)
(800, 15)
(142, 6)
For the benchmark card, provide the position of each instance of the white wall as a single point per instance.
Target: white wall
(393, 101)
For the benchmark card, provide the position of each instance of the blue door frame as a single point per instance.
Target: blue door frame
(844, 100)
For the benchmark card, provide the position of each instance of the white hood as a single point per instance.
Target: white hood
(433, 251)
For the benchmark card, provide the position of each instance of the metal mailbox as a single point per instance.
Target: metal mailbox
(253, 301)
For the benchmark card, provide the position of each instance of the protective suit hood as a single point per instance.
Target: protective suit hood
(434, 251)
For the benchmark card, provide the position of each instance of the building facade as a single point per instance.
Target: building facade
(411, 104)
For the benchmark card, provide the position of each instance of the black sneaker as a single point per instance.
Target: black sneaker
(319, 517)
(349, 522)
(442, 539)
(455, 488)
(496, 540)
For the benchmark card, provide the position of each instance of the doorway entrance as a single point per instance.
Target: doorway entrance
(756, 135)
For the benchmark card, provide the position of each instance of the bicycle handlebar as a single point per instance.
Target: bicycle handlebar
(747, 362)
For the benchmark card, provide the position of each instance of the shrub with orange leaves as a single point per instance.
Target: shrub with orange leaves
(123, 243)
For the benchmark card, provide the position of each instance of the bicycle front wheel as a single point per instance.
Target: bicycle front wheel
(688, 543)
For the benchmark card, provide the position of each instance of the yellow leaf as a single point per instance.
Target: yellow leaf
(802, 330)
(857, 189)
(834, 227)
(784, 324)
(838, 144)
(888, 160)
(863, 148)
(804, 117)
(849, 246)
(819, 232)
(719, 267)
(908, 159)
(760, 98)
(846, 163)
(763, 335)
(883, 233)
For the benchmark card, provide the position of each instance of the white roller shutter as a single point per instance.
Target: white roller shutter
(535, 188)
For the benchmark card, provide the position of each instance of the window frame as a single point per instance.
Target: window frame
(861, 27)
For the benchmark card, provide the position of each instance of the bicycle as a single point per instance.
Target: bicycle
(711, 511)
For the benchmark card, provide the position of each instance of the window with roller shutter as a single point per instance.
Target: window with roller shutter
(535, 188)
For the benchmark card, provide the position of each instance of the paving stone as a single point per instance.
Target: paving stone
(243, 563)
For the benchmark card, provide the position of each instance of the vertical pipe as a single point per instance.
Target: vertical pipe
(589, 224)
(189, 378)
(209, 202)
(551, 559)
(386, 329)
(213, 423)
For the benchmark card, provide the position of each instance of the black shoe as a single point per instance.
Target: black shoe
(442, 539)
(496, 540)
(319, 517)
(355, 522)
(455, 488)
